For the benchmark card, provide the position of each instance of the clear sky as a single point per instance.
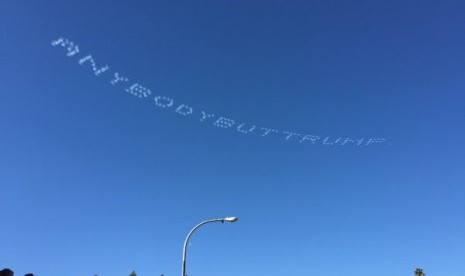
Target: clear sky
(97, 180)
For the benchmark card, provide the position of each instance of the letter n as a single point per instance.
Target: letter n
(94, 66)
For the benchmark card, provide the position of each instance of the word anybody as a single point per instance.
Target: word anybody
(181, 109)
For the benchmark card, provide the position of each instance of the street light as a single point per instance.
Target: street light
(184, 249)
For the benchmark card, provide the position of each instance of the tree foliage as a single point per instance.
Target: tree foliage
(419, 272)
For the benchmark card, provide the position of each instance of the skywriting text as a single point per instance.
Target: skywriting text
(136, 89)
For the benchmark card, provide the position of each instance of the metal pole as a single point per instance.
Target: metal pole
(184, 249)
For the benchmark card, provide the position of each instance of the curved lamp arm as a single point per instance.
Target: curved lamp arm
(184, 249)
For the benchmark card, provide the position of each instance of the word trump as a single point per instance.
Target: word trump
(181, 109)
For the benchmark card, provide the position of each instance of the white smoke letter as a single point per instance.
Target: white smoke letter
(325, 141)
(290, 134)
(92, 63)
(139, 90)
(70, 46)
(239, 128)
(184, 110)
(268, 130)
(118, 79)
(375, 141)
(311, 138)
(224, 122)
(168, 101)
(206, 115)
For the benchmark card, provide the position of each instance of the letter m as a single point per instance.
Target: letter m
(69, 45)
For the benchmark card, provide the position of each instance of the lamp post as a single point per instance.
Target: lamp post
(184, 249)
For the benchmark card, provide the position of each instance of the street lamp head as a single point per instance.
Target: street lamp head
(231, 219)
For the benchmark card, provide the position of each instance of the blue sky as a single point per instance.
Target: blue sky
(97, 181)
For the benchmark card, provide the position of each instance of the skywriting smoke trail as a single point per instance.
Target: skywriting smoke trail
(203, 116)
